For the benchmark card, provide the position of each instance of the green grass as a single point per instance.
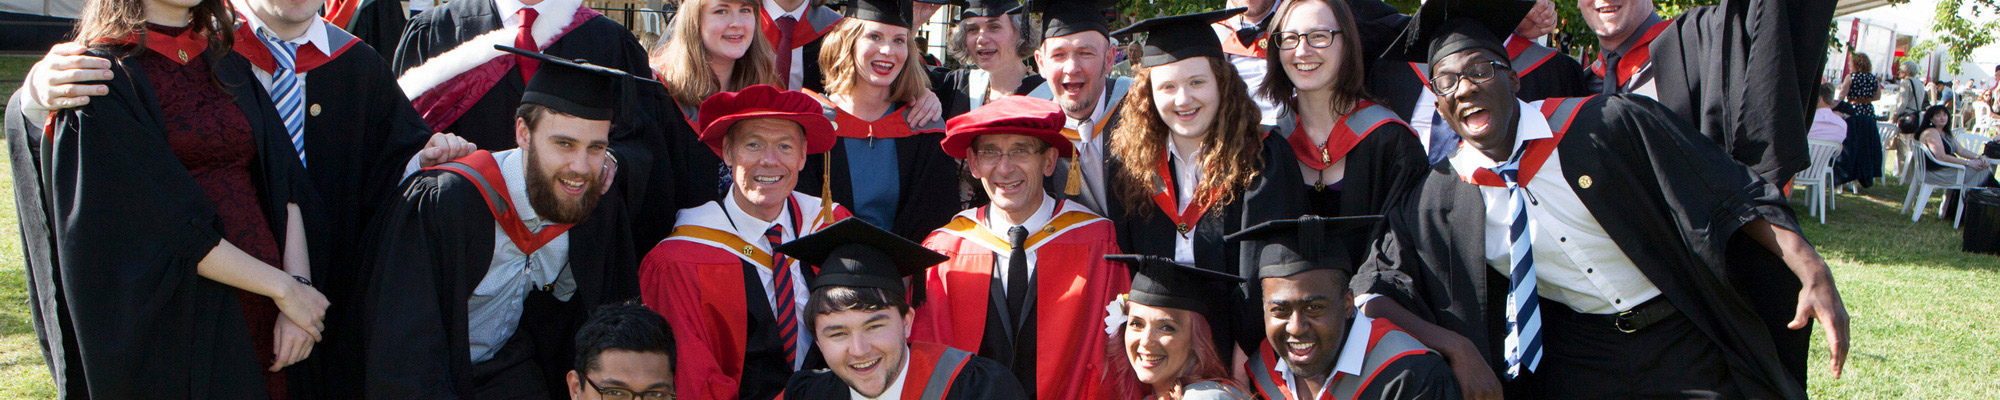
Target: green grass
(1919, 306)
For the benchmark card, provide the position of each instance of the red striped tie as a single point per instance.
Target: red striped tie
(788, 322)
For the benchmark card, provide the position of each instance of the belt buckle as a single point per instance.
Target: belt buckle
(1621, 320)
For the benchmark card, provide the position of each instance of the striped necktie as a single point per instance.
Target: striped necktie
(786, 306)
(288, 91)
(1524, 321)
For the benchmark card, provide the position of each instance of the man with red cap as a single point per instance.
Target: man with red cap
(734, 303)
(1027, 281)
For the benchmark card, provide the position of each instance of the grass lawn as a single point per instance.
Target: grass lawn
(1916, 301)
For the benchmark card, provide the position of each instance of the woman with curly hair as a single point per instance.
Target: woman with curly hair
(997, 44)
(1192, 165)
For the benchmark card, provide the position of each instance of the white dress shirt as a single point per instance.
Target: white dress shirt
(798, 73)
(1353, 352)
(1090, 153)
(1187, 176)
(1576, 262)
(1035, 223)
(751, 230)
(494, 309)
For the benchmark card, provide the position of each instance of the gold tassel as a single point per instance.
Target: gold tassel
(1075, 185)
(826, 189)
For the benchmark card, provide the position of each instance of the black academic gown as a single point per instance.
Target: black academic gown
(1275, 194)
(127, 224)
(1381, 169)
(380, 24)
(1745, 73)
(959, 80)
(432, 246)
(979, 378)
(1664, 193)
(357, 145)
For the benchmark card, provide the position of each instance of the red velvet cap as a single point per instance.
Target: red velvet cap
(1019, 115)
(725, 109)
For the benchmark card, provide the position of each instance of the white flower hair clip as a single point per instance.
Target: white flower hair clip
(1115, 315)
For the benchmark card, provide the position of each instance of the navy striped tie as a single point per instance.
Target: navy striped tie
(1524, 320)
(287, 91)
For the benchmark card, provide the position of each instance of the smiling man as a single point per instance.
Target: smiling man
(624, 352)
(488, 261)
(1589, 247)
(718, 278)
(1076, 56)
(1027, 270)
(859, 318)
(1316, 345)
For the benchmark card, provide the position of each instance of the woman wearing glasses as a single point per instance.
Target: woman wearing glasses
(1191, 164)
(1353, 154)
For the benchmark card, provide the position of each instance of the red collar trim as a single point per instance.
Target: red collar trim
(482, 168)
(1342, 140)
(310, 55)
(1538, 152)
(1184, 220)
(1635, 59)
(1235, 48)
(181, 49)
(846, 125)
(800, 37)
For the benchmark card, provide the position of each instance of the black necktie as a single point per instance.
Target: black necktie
(1017, 269)
(1248, 35)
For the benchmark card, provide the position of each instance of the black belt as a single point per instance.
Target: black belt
(1630, 321)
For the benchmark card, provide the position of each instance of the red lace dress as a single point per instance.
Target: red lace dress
(212, 138)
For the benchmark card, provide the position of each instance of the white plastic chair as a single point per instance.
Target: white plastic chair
(1818, 177)
(1953, 177)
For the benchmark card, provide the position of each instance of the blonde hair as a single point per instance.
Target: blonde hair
(1232, 151)
(836, 58)
(682, 60)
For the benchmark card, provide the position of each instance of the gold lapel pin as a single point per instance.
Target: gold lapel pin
(314, 110)
(1583, 182)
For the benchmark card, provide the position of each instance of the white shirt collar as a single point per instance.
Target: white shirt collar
(1036, 222)
(508, 9)
(1530, 126)
(752, 229)
(895, 390)
(1084, 127)
(778, 11)
(315, 32)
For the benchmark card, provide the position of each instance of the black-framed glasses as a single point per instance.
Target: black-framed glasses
(1446, 83)
(624, 394)
(1318, 39)
(990, 157)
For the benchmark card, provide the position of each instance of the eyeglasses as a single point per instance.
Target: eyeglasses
(1446, 83)
(1318, 39)
(990, 157)
(622, 394)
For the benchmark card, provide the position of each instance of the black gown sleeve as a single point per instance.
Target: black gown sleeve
(415, 330)
(1414, 377)
(983, 378)
(1275, 194)
(45, 299)
(1744, 72)
(416, 44)
(815, 385)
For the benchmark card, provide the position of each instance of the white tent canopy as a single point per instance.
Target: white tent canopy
(53, 8)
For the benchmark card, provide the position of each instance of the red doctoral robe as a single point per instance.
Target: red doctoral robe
(1073, 283)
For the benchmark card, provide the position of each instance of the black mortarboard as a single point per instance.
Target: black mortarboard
(891, 12)
(1179, 37)
(853, 253)
(988, 8)
(1068, 17)
(1443, 27)
(1293, 246)
(576, 88)
(1161, 282)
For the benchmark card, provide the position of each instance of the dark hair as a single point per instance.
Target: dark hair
(115, 19)
(1934, 111)
(1350, 86)
(1826, 93)
(833, 299)
(1861, 63)
(531, 114)
(628, 326)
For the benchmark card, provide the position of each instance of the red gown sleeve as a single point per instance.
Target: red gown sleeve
(674, 287)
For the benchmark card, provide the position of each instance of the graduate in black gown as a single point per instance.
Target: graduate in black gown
(454, 310)
(994, 39)
(1355, 155)
(1182, 182)
(1615, 256)
(889, 172)
(136, 226)
(858, 317)
(1743, 72)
